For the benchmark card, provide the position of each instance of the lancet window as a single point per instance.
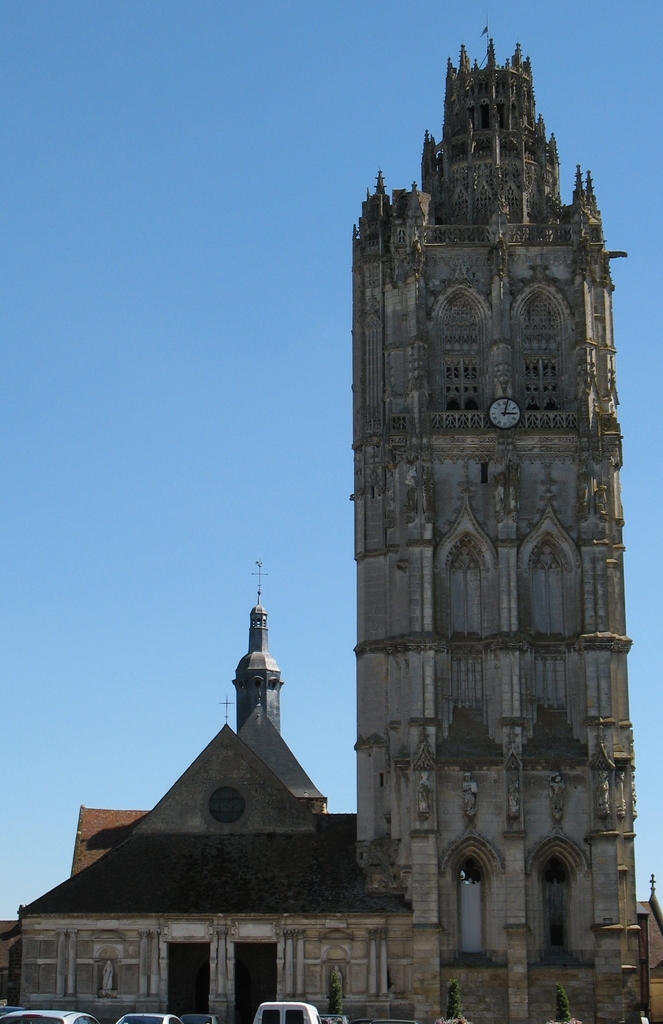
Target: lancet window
(540, 339)
(460, 324)
(465, 584)
(471, 932)
(554, 893)
(547, 589)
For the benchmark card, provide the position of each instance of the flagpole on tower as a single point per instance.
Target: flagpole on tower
(486, 33)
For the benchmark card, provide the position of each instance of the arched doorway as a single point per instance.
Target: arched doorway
(255, 978)
(471, 937)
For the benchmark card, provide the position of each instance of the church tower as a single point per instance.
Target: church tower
(495, 751)
(258, 677)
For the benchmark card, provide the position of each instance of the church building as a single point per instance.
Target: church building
(494, 835)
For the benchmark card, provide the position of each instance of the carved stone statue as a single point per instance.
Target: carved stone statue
(556, 792)
(470, 791)
(514, 487)
(602, 795)
(620, 796)
(500, 487)
(107, 977)
(513, 797)
(411, 487)
(582, 505)
(634, 796)
(601, 500)
(424, 796)
(427, 491)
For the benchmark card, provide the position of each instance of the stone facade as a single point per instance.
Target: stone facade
(495, 751)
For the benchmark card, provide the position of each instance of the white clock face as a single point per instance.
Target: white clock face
(504, 413)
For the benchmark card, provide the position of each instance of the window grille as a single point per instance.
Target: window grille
(540, 383)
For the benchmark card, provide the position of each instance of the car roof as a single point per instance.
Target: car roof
(52, 1014)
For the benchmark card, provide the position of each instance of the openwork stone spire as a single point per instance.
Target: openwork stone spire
(494, 153)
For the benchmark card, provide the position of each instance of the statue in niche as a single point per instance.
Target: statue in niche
(389, 491)
(411, 488)
(513, 797)
(514, 486)
(500, 488)
(601, 500)
(602, 795)
(470, 792)
(427, 490)
(417, 256)
(556, 793)
(582, 506)
(634, 798)
(107, 977)
(424, 796)
(620, 797)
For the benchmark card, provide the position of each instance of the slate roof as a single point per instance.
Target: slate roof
(100, 830)
(264, 740)
(210, 874)
(652, 908)
(10, 931)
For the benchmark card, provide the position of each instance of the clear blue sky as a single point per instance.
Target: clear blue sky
(178, 185)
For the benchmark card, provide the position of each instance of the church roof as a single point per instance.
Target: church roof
(313, 872)
(99, 830)
(264, 740)
(10, 932)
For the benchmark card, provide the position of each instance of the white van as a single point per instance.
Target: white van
(286, 1013)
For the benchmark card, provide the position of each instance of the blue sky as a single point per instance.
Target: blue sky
(178, 185)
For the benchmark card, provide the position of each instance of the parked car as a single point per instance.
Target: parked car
(48, 1017)
(334, 1018)
(149, 1018)
(9, 1009)
(199, 1018)
(286, 1013)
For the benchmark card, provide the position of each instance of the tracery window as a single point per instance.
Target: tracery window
(465, 585)
(554, 890)
(471, 932)
(460, 324)
(541, 384)
(461, 384)
(547, 590)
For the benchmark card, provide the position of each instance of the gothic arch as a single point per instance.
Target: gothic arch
(549, 571)
(541, 322)
(461, 317)
(472, 844)
(466, 565)
(556, 845)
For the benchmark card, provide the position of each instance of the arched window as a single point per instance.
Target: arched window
(541, 336)
(547, 590)
(465, 588)
(471, 934)
(459, 335)
(554, 897)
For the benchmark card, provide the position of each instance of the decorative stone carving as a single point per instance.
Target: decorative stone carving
(500, 495)
(411, 495)
(556, 793)
(107, 978)
(602, 795)
(428, 492)
(634, 797)
(514, 488)
(513, 797)
(424, 796)
(620, 796)
(470, 791)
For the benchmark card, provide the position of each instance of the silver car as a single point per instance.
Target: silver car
(49, 1017)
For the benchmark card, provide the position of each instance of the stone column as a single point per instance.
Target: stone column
(213, 967)
(221, 963)
(372, 964)
(154, 965)
(301, 985)
(60, 966)
(163, 973)
(289, 967)
(71, 964)
(230, 971)
(384, 979)
(142, 968)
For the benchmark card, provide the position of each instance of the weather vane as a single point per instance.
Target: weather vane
(260, 575)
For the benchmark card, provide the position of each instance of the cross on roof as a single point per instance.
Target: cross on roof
(260, 575)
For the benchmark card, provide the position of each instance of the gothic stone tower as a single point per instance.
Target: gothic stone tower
(495, 752)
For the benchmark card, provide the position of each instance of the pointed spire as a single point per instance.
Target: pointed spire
(450, 68)
(464, 59)
(590, 186)
(491, 53)
(652, 882)
(379, 185)
(578, 191)
(517, 57)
